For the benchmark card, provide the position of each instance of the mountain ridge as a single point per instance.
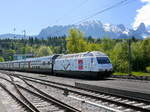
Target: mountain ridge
(96, 29)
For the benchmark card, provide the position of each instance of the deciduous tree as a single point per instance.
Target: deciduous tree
(76, 42)
(44, 51)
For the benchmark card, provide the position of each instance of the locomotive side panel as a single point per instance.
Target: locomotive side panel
(84, 64)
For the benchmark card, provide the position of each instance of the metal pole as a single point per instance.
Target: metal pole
(14, 33)
(14, 37)
(129, 57)
(24, 35)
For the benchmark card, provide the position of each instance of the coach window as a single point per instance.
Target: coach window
(43, 62)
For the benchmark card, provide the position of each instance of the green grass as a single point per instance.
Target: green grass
(134, 73)
(119, 73)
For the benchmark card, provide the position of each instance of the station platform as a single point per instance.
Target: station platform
(124, 87)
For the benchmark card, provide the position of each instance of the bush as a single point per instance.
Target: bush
(1, 59)
(148, 69)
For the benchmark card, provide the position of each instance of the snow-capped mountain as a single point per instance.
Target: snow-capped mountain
(96, 29)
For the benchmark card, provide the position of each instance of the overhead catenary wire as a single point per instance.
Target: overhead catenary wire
(72, 10)
(120, 3)
(123, 2)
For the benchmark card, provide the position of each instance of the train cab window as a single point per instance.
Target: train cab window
(103, 60)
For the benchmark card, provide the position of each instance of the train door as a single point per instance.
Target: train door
(29, 66)
(91, 62)
(86, 64)
(19, 65)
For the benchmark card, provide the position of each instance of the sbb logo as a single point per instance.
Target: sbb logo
(80, 64)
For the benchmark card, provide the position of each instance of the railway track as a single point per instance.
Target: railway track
(34, 100)
(119, 103)
(21, 103)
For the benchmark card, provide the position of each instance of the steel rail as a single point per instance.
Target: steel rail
(96, 97)
(99, 98)
(17, 99)
(67, 85)
(21, 95)
(51, 100)
(47, 97)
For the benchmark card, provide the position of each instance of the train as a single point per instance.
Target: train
(94, 63)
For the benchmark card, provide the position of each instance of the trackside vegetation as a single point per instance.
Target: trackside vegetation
(116, 49)
(134, 73)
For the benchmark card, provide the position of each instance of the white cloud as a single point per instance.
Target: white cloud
(143, 15)
(145, 0)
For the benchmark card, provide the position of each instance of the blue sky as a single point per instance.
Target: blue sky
(33, 15)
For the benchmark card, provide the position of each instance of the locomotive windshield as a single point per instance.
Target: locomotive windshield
(103, 60)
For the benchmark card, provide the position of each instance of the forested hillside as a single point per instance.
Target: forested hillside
(116, 49)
